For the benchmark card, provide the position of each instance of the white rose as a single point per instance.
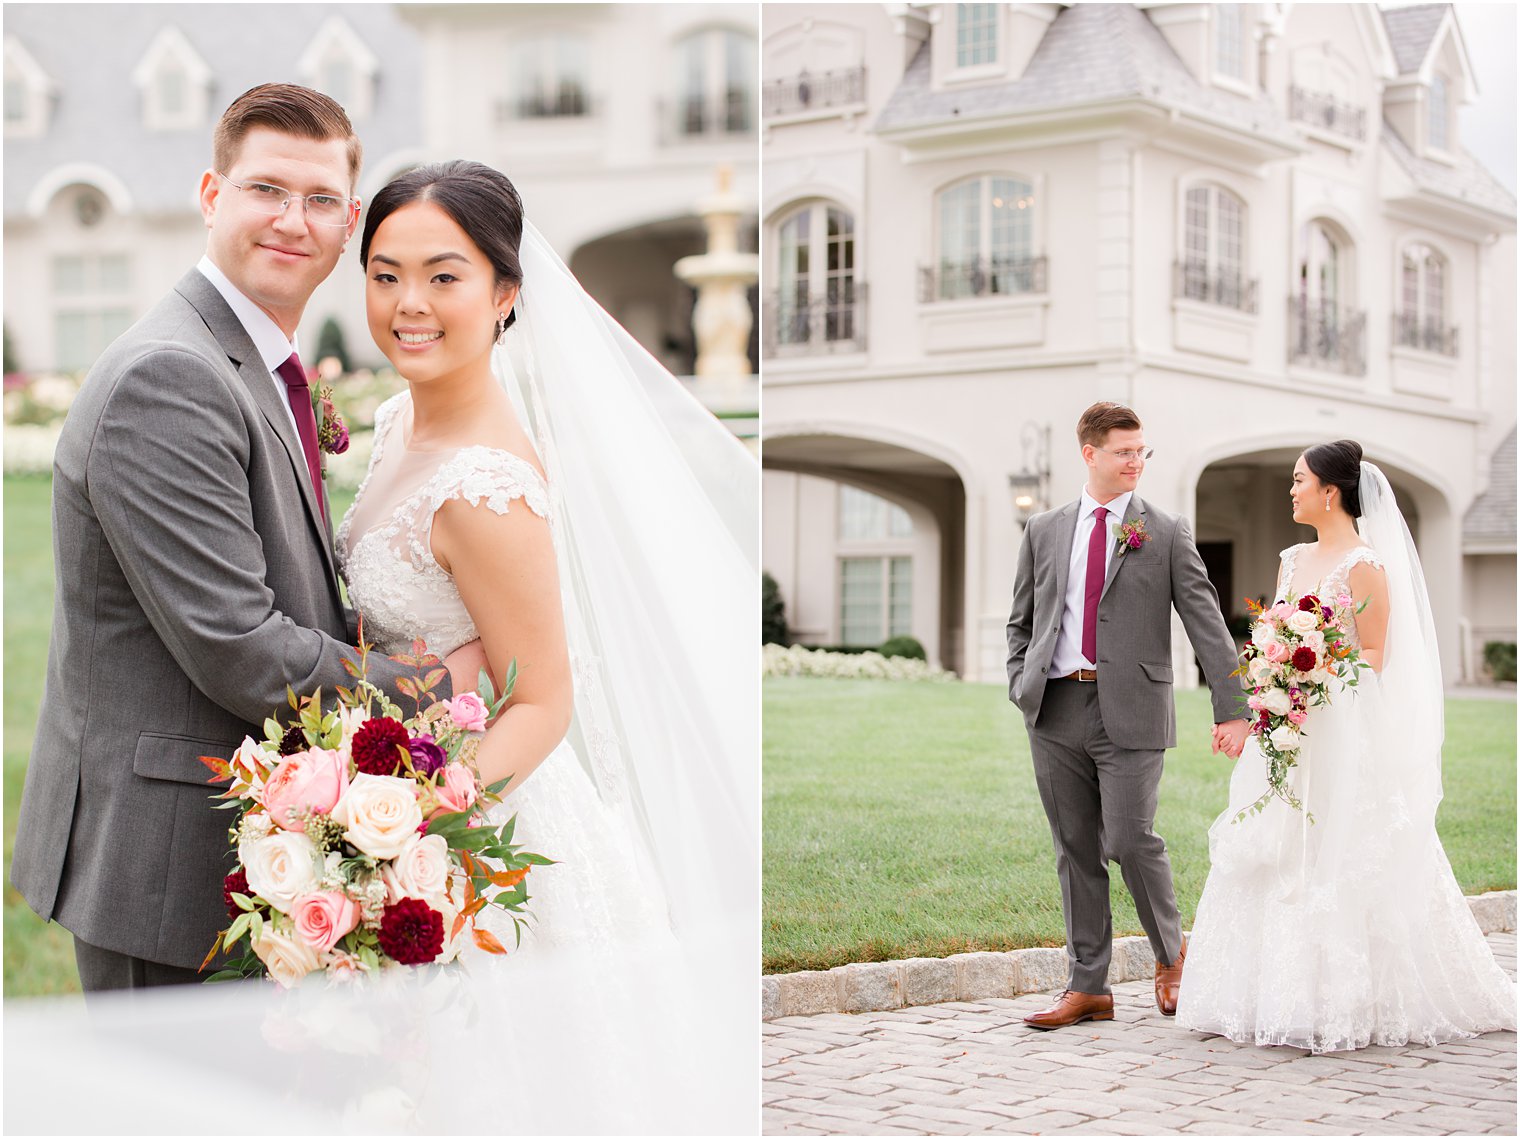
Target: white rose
(287, 958)
(1259, 671)
(1285, 738)
(1263, 634)
(1315, 640)
(421, 870)
(1303, 621)
(380, 812)
(280, 867)
(1276, 701)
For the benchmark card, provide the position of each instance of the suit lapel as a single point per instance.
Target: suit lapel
(1066, 529)
(229, 333)
(1135, 510)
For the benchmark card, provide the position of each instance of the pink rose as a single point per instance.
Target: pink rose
(1254, 703)
(1276, 652)
(1298, 716)
(1282, 611)
(323, 917)
(307, 781)
(1344, 600)
(456, 790)
(468, 711)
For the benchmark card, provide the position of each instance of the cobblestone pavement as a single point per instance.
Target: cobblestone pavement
(968, 1068)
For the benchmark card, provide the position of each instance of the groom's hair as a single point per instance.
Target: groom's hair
(1101, 418)
(289, 109)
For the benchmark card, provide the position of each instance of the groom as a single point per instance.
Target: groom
(1089, 665)
(193, 558)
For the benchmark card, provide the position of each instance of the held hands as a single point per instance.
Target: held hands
(1230, 737)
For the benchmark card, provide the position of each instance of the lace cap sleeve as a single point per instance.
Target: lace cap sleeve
(487, 475)
(1285, 568)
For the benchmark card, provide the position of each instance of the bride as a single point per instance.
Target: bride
(1350, 930)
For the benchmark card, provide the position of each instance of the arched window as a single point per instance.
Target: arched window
(1230, 41)
(715, 83)
(986, 240)
(1421, 319)
(1325, 330)
(817, 294)
(975, 34)
(1438, 113)
(1213, 268)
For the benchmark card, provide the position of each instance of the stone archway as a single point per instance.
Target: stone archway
(1244, 522)
(804, 550)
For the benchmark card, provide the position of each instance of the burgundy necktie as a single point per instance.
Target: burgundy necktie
(1096, 565)
(299, 394)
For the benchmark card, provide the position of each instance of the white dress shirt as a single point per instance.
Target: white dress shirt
(1067, 656)
(268, 339)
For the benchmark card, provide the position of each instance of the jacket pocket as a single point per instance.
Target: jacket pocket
(1160, 673)
(177, 758)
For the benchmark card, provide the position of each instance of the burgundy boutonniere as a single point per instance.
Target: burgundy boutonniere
(332, 432)
(1133, 535)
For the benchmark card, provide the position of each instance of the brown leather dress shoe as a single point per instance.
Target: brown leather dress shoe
(1073, 1007)
(1169, 983)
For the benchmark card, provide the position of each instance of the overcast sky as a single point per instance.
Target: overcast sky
(1488, 124)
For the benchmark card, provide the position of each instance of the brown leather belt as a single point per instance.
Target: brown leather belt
(1084, 674)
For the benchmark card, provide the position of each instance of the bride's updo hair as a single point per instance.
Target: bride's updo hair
(1339, 464)
(482, 201)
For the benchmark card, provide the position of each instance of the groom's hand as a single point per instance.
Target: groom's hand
(1230, 737)
(464, 665)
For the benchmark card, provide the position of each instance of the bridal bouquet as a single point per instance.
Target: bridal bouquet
(361, 835)
(1296, 649)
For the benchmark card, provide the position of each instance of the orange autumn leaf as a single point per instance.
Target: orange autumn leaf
(487, 941)
(509, 877)
(458, 925)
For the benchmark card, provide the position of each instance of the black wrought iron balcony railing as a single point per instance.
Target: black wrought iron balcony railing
(568, 101)
(1327, 336)
(982, 277)
(699, 116)
(1327, 112)
(806, 91)
(1192, 280)
(804, 325)
(1428, 334)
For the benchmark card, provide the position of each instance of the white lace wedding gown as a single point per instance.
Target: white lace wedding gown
(1350, 931)
(592, 898)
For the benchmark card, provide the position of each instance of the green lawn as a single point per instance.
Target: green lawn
(902, 820)
(39, 958)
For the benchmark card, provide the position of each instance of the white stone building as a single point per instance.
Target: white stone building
(1254, 223)
(611, 119)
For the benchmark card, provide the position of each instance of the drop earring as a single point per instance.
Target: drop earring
(501, 331)
(1327, 504)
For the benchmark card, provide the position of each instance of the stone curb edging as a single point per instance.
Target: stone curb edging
(879, 986)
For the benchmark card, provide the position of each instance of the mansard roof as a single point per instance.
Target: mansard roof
(1091, 53)
(1490, 520)
(92, 50)
(1411, 32)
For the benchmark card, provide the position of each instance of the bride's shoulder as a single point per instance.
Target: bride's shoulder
(1292, 551)
(1363, 555)
(491, 475)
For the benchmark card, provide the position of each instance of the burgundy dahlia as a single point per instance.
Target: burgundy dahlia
(1304, 658)
(411, 932)
(1308, 603)
(234, 883)
(427, 756)
(293, 740)
(1327, 613)
(377, 746)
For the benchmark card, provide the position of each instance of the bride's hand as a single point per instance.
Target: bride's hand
(464, 665)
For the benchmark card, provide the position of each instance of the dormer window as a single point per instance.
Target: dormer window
(976, 39)
(1230, 41)
(28, 92)
(175, 83)
(1439, 114)
(340, 65)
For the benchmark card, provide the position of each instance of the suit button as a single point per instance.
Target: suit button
(1042, 668)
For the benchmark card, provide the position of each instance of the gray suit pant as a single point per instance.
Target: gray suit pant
(1101, 803)
(104, 969)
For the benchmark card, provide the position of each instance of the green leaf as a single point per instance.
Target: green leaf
(237, 929)
(272, 730)
(496, 788)
(485, 689)
(243, 902)
(511, 679)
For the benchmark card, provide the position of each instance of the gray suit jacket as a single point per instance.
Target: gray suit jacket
(1134, 631)
(194, 581)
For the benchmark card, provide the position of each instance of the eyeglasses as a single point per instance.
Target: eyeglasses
(272, 201)
(1141, 455)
